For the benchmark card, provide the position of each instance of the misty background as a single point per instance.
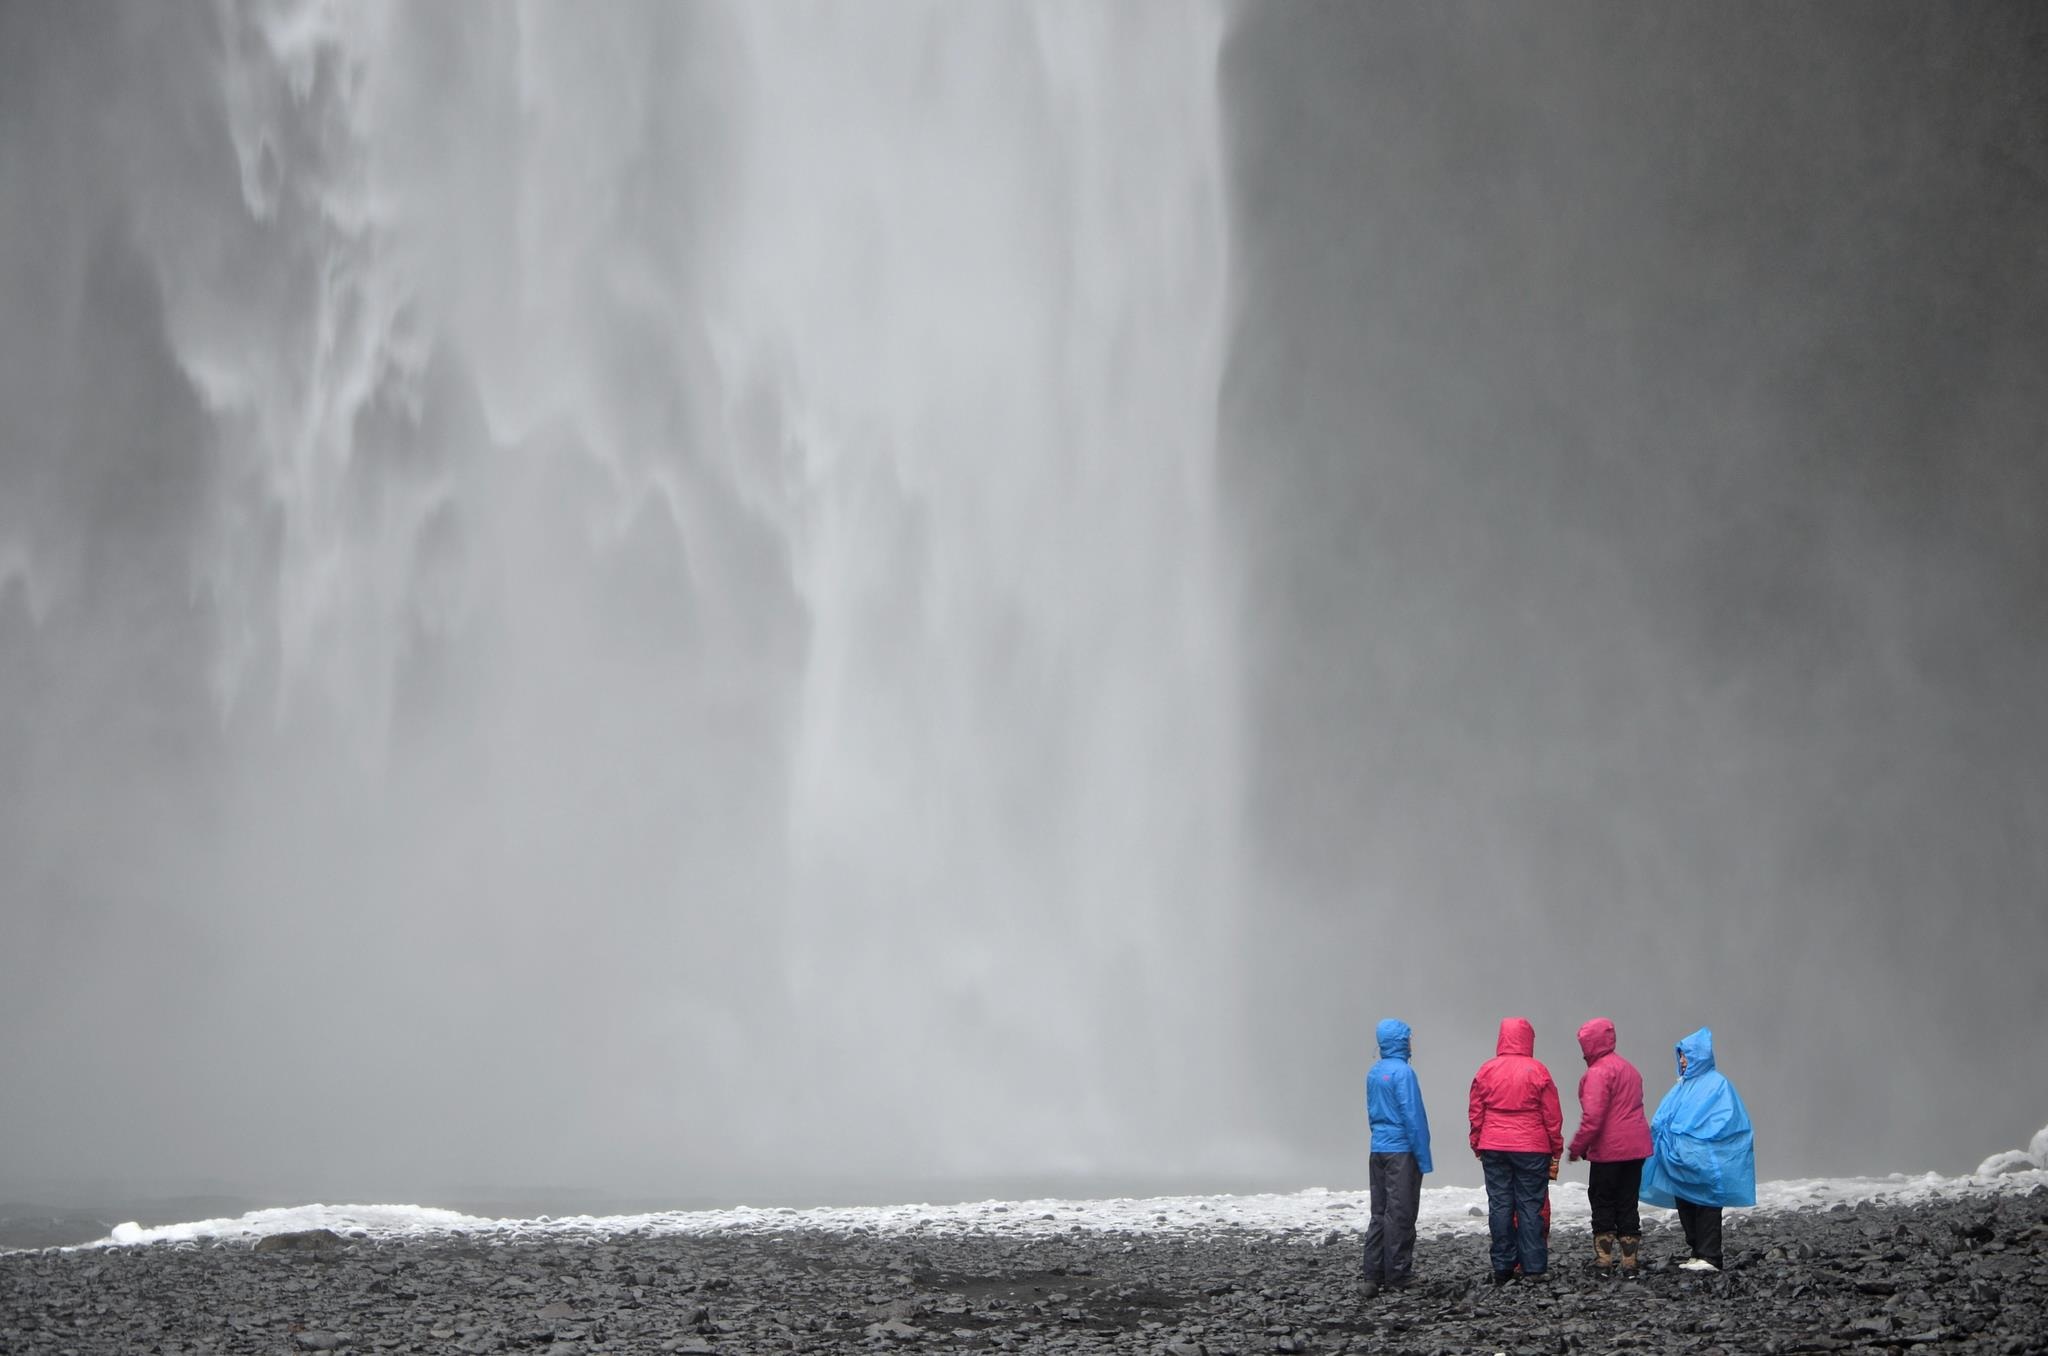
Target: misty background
(713, 601)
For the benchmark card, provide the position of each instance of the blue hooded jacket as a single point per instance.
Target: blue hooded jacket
(1702, 1148)
(1393, 1099)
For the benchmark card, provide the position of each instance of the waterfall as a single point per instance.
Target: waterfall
(684, 584)
(980, 296)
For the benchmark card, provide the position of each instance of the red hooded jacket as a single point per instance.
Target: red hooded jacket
(1514, 1100)
(1612, 1128)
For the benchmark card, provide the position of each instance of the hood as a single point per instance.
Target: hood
(1393, 1034)
(1698, 1049)
(1517, 1037)
(1596, 1038)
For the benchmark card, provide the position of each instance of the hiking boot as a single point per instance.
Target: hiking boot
(1603, 1252)
(1697, 1264)
(1631, 1244)
(1368, 1288)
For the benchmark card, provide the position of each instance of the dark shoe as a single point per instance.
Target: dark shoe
(1502, 1277)
(1368, 1288)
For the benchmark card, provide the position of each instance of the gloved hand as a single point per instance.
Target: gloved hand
(1572, 1156)
(1553, 1169)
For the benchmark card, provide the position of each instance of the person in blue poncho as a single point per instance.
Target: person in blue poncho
(1702, 1151)
(1400, 1158)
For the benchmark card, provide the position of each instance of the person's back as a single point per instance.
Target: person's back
(1400, 1157)
(1393, 1098)
(1613, 1128)
(1514, 1099)
(1615, 1136)
(1518, 1133)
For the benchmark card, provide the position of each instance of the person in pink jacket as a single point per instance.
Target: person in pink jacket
(1518, 1133)
(1614, 1136)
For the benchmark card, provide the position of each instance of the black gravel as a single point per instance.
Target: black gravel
(1965, 1274)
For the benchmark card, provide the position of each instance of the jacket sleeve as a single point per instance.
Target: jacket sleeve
(1553, 1119)
(1417, 1117)
(1595, 1091)
(1475, 1112)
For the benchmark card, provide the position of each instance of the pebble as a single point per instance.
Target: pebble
(1962, 1274)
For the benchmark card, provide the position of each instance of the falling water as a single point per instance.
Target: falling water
(668, 560)
(978, 299)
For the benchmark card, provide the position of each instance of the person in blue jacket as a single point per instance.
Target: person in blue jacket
(1702, 1151)
(1400, 1158)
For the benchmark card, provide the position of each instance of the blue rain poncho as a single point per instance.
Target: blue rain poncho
(1702, 1148)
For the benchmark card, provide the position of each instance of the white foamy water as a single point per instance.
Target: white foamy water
(1315, 1212)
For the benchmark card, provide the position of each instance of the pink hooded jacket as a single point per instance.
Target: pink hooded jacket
(1612, 1128)
(1514, 1100)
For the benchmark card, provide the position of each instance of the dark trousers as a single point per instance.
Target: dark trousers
(1515, 1186)
(1611, 1190)
(1702, 1225)
(1390, 1238)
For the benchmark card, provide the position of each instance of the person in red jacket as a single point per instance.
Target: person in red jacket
(1518, 1133)
(1615, 1136)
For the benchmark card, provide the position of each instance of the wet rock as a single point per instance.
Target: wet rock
(1875, 1277)
(304, 1240)
(894, 1327)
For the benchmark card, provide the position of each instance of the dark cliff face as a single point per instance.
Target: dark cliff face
(1635, 421)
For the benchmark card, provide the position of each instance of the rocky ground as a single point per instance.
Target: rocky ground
(1968, 1274)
